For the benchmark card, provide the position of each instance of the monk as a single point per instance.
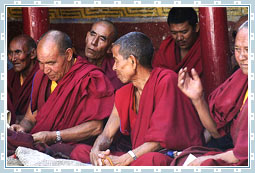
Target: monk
(98, 48)
(22, 54)
(182, 48)
(227, 112)
(150, 109)
(70, 97)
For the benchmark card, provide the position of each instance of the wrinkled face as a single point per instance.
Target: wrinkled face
(98, 40)
(51, 62)
(19, 55)
(241, 50)
(123, 67)
(184, 34)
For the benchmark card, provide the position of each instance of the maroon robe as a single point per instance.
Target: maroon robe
(83, 94)
(165, 115)
(19, 96)
(227, 109)
(107, 65)
(168, 56)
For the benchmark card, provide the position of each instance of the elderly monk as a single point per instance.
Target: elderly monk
(227, 112)
(182, 48)
(98, 48)
(151, 109)
(70, 97)
(22, 54)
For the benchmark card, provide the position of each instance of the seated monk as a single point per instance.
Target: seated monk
(98, 49)
(70, 97)
(150, 109)
(22, 54)
(227, 112)
(182, 48)
(98, 44)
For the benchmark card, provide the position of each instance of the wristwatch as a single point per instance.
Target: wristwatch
(58, 136)
(132, 154)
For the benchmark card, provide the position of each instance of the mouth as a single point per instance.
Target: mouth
(16, 64)
(244, 65)
(181, 43)
(91, 50)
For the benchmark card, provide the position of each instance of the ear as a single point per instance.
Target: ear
(133, 61)
(69, 54)
(197, 27)
(33, 53)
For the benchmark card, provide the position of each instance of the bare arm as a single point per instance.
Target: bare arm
(75, 134)
(104, 140)
(192, 88)
(27, 123)
(126, 159)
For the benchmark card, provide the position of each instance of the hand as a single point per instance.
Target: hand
(17, 128)
(199, 160)
(44, 137)
(102, 158)
(123, 160)
(94, 156)
(111, 160)
(190, 86)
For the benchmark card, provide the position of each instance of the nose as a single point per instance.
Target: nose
(12, 57)
(243, 54)
(44, 68)
(95, 41)
(179, 36)
(114, 66)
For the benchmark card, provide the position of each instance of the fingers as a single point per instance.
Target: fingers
(16, 128)
(194, 74)
(35, 137)
(181, 76)
(93, 158)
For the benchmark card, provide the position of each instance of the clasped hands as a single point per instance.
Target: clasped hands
(105, 158)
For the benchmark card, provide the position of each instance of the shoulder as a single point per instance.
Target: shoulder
(123, 91)
(164, 74)
(168, 40)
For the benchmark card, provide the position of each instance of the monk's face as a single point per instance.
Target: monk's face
(122, 66)
(19, 55)
(53, 63)
(98, 40)
(184, 34)
(241, 49)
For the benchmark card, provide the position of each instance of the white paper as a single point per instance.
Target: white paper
(190, 158)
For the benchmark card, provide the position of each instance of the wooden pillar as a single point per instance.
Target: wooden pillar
(214, 46)
(35, 21)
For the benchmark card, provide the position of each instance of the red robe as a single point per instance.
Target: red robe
(168, 56)
(107, 65)
(83, 94)
(227, 109)
(19, 96)
(165, 115)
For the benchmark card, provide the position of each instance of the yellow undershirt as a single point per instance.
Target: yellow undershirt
(21, 79)
(245, 98)
(54, 84)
